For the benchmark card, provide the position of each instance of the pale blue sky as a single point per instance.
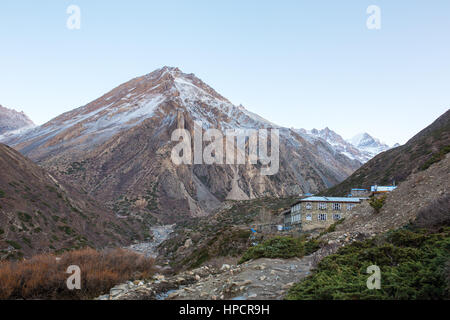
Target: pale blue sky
(300, 64)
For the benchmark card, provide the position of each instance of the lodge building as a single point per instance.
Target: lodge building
(319, 212)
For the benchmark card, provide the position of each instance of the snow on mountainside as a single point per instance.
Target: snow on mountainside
(11, 120)
(368, 144)
(362, 148)
(132, 103)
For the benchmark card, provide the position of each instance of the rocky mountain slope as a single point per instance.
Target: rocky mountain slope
(423, 199)
(39, 213)
(118, 147)
(395, 165)
(11, 120)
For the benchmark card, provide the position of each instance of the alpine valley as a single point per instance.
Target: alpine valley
(96, 187)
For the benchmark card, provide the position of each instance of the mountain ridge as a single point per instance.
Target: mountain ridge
(118, 148)
(357, 150)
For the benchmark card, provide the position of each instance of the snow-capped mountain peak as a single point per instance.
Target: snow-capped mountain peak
(139, 99)
(366, 143)
(362, 147)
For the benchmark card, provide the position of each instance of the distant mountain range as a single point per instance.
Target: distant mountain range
(362, 147)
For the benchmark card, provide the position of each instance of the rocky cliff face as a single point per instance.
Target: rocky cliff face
(11, 120)
(118, 148)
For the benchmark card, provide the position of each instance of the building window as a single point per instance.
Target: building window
(337, 206)
(337, 216)
(308, 206)
(295, 218)
(350, 206)
(308, 217)
(295, 208)
(322, 206)
(322, 216)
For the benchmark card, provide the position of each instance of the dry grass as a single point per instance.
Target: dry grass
(44, 276)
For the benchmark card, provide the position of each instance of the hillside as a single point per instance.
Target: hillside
(118, 149)
(40, 214)
(397, 164)
(408, 239)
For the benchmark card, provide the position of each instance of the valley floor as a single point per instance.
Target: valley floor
(149, 249)
(261, 279)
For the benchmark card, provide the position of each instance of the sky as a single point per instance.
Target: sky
(302, 64)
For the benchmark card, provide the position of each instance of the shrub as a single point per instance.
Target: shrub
(277, 247)
(312, 246)
(14, 244)
(25, 217)
(43, 277)
(414, 265)
(377, 203)
(2, 194)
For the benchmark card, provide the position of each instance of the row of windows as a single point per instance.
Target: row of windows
(324, 206)
(323, 216)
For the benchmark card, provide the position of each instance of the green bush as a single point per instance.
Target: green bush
(277, 247)
(377, 203)
(2, 194)
(14, 244)
(412, 263)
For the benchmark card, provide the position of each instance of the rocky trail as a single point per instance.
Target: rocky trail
(267, 279)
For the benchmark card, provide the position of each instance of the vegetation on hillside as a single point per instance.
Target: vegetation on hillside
(435, 157)
(45, 277)
(414, 263)
(377, 203)
(281, 247)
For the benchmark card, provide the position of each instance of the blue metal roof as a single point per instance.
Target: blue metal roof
(359, 189)
(331, 199)
(382, 188)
